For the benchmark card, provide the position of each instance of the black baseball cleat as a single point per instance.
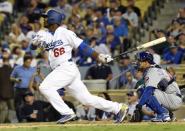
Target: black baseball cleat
(172, 116)
(66, 118)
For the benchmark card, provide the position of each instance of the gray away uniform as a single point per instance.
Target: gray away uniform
(170, 98)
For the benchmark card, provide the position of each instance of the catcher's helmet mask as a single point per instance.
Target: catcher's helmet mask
(145, 56)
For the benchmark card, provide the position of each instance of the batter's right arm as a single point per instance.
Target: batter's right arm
(88, 51)
(85, 49)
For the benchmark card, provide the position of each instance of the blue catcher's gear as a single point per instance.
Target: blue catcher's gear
(54, 16)
(145, 56)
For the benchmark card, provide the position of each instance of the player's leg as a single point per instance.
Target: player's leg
(151, 101)
(78, 90)
(170, 101)
(55, 80)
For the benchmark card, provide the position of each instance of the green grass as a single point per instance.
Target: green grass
(100, 127)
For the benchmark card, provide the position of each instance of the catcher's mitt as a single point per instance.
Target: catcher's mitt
(137, 115)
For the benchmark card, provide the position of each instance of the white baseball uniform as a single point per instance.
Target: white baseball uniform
(169, 98)
(66, 75)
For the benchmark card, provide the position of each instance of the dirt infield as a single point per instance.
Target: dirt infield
(82, 124)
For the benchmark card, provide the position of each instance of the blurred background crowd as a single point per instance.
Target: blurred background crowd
(108, 26)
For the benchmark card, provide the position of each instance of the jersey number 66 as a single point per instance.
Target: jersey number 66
(58, 51)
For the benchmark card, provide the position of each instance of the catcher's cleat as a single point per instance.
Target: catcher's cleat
(164, 117)
(122, 113)
(66, 118)
(172, 116)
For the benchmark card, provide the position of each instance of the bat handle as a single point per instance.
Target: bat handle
(124, 53)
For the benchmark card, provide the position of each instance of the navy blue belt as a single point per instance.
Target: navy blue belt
(69, 60)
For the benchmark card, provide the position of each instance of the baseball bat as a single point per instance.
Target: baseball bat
(143, 46)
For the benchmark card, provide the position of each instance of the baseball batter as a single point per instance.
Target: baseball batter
(59, 42)
(161, 92)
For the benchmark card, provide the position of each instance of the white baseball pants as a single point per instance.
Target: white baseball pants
(67, 75)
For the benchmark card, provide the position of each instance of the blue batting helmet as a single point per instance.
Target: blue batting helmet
(54, 16)
(145, 56)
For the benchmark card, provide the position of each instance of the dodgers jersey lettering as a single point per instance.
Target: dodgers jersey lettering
(59, 45)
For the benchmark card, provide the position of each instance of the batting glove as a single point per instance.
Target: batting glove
(37, 40)
(104, 58)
